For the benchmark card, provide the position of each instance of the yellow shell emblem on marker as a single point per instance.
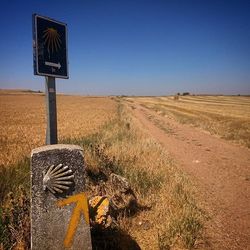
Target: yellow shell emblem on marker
(52, 40)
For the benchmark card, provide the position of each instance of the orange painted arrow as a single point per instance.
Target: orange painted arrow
(81, 207)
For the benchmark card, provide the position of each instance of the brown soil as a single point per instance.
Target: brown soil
(219, 169)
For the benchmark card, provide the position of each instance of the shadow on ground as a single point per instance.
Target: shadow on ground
(112, 239)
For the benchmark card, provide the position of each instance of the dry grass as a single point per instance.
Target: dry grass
(23, 121)
(172, 219)
(225, 116)
(22, 128)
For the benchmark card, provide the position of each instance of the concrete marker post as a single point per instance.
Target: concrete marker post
(59, 206)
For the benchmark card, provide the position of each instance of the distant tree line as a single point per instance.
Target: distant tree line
(184, 93)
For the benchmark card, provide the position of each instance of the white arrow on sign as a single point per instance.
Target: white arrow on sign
(56, 65)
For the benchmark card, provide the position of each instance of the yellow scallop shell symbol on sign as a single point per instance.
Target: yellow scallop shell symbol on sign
(52, 40)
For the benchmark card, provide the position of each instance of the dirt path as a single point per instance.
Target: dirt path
(220, 170)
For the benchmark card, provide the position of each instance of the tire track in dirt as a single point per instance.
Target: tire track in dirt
(219, 169)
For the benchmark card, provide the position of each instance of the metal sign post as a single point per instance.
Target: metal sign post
(50, 55)
(50, 92)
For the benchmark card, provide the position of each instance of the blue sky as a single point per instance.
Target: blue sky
(134, 47)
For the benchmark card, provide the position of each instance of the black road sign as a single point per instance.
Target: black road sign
(50, 47)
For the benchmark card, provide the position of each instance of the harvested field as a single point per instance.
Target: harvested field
(145, 140)
(168, 216)
(224, 116)
(23, 120)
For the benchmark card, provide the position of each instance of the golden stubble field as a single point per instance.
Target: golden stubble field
(224, 116)
(171, 218)
(167, 215)
(23, 121)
